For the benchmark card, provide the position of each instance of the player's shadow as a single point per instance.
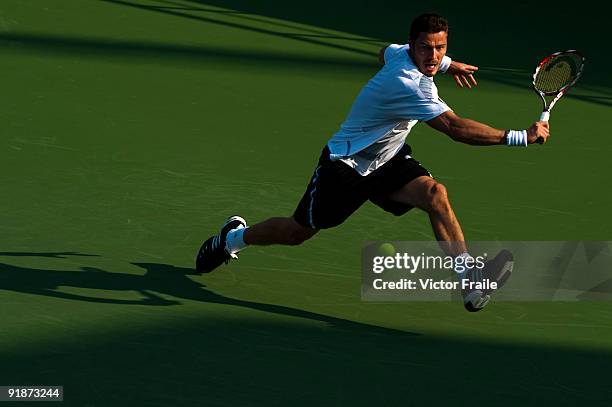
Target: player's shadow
(160, 285)
(261, 362)
(54, 255)
(173, 281)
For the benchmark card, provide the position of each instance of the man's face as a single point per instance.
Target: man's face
(427, 51)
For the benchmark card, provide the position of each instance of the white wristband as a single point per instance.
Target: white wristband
(516, 138)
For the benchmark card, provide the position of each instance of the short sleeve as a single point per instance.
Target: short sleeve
(424, 110)
(392, 50)
(421, 105)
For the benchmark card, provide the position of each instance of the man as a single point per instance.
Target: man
(368, 160)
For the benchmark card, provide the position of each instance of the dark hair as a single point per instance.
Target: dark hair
(427, 23)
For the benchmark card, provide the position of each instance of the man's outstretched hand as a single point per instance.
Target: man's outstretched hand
(463, 74)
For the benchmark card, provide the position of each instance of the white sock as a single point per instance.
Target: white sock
(460, 266)
(235, 241)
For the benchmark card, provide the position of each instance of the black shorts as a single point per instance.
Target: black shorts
(336, 190)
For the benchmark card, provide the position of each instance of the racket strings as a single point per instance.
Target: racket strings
(557, 73)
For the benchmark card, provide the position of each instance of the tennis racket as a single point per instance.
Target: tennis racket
(554, 76)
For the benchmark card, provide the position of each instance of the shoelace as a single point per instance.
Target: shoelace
(216, 241)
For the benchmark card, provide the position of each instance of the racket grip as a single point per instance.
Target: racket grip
(543, 118)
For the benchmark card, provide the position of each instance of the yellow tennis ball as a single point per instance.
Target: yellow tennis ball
(387, 249)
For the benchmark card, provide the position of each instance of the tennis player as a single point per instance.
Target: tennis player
(367, 159)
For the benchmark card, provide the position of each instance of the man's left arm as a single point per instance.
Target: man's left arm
(463, 74)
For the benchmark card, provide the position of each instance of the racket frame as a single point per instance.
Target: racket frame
(559, 93)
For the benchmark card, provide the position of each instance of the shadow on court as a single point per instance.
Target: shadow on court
(265, 361)
(483, 34)
(134, 51)
(309, 39)
(51, 255)
(137, 52)
(485, 38)
(237, 362)
(393, 26)
(507, 49)
(160, 285)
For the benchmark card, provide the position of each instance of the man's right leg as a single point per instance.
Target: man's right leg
(284, 231)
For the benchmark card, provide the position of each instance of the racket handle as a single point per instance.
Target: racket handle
(543, 118)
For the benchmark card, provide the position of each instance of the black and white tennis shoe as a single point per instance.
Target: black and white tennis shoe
(498, 270)
(214, 252)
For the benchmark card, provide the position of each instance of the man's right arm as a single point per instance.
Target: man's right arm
(475, 133)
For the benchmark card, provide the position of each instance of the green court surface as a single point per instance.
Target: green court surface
(132, 128)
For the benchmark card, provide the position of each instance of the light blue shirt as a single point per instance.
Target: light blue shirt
(386, 109)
